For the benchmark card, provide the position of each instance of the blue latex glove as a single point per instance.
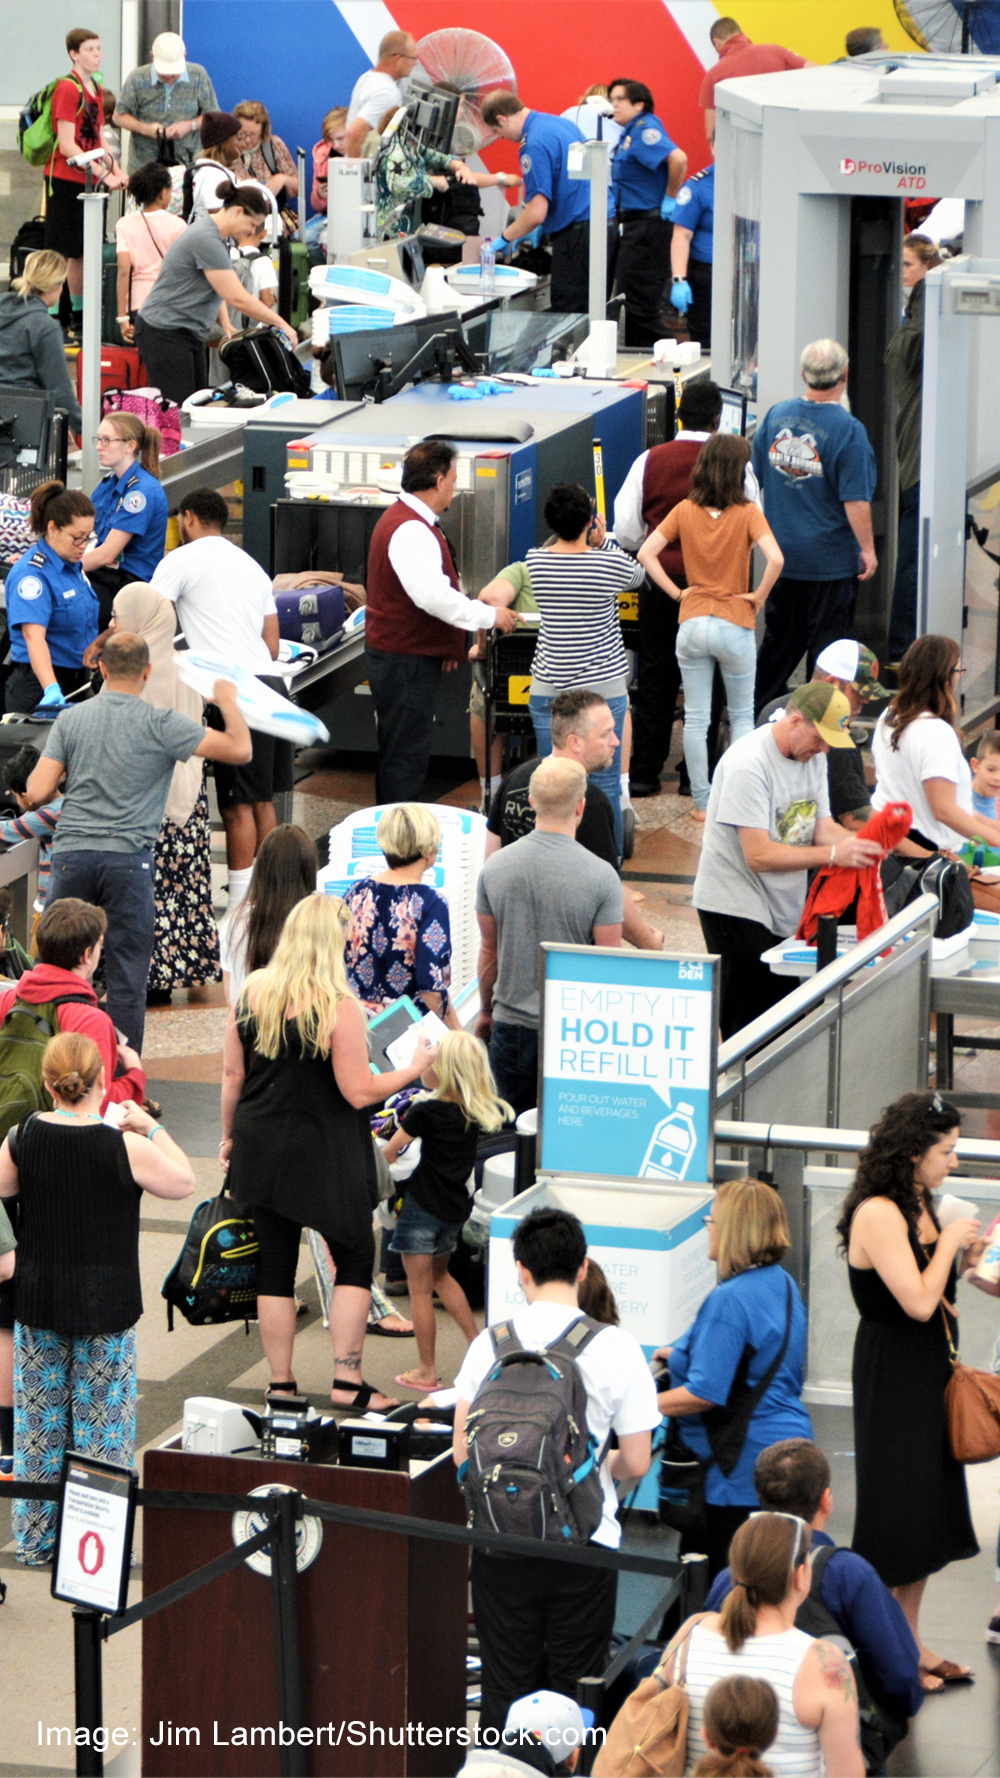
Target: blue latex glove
(501, 247)
(680, 296)
(459, 392)
(52, 697)
(667, 208)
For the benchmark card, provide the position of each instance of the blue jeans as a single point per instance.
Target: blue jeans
(514, 1061)
(122, 884)
(610, 778)
(702, 641)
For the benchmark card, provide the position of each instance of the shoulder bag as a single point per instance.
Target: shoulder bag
(648, 1738)
(971, 1408)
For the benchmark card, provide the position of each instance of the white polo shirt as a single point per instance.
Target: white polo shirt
(222, 598)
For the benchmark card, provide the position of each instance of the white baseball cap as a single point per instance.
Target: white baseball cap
(554, 1720)
(169, 55)
(855, 664)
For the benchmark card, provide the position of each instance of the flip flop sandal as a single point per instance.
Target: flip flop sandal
(951, 1673)
(390, 1333)
(417, 1388)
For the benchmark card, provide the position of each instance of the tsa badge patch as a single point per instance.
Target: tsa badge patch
(795, 457)
(30, 587)
(650, 137)
(134, 502)
(526, 163)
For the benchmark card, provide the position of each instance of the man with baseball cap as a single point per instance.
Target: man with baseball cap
(768, 825)
(167, 96)
(544, 1732)
(853, 669)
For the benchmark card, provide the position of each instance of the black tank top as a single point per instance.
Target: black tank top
(78, 1241)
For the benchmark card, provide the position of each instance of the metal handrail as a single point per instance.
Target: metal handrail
(813, 1137)
(825, 982)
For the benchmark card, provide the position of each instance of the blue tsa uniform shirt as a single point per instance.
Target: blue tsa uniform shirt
(809, 457)
(544, 154)
(43, 589)
(639, 170)
(696, 211)
(133, 502)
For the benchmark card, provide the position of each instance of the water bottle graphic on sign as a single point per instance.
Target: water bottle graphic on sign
(672, 1145)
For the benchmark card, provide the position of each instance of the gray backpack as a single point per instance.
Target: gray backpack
(533, 1468)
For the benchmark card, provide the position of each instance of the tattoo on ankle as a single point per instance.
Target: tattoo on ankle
(350, 1361)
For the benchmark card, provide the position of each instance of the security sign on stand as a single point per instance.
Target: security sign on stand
(94, 1535)
(627, 1064)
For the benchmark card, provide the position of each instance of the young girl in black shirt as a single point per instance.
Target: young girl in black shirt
(462, 1102)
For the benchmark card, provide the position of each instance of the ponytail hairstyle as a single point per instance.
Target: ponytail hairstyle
(924, 249)
(147, 439)
(739, 1721)
(70, 1066)
(251, 199)
(44, 271)
(55, 504)
(763, 1558)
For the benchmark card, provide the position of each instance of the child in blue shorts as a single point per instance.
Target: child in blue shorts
(462, 1102)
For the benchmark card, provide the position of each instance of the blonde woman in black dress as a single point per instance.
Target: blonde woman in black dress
(912, 1509)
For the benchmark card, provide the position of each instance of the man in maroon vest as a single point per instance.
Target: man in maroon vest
(415, 618)
(657, 482)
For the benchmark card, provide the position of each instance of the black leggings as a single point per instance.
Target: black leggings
(176, 361)
(279, 1255)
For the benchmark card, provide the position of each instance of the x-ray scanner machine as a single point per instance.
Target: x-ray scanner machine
(813, 169)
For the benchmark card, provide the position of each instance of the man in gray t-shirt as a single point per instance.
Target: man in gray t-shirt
(768, 825)
(118, 754)
(543, 888)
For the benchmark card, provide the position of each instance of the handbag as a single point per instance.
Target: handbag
(648, 1738)
(971, 1409)
(153, 409)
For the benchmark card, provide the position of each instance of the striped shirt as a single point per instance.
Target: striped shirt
(794, 1752)
(580, 643)
(34, 824)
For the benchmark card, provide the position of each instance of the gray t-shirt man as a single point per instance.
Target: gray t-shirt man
(756, 786)
(182, 296)
(119, 754)
(544, 888)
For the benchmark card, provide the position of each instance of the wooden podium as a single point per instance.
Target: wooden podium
(383, 1628)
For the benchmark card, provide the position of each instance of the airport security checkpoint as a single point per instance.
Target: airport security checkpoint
(508, 817)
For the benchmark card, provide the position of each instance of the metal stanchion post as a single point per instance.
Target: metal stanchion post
(300, 154)
(590, 1696)
(88, 1629)
(93, 278)
(284, 1586)
(695, 1585)
(597, 156)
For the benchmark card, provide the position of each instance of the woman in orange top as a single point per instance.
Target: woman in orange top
(717, 527)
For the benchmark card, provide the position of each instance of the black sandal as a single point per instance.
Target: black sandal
(279, 1389)
(363, 1393)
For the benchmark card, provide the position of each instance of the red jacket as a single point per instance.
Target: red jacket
(834, 889)
(46, 982)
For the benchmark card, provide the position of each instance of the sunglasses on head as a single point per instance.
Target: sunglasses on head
(801, 1530)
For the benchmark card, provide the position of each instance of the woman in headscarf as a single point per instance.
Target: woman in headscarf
(186, 947)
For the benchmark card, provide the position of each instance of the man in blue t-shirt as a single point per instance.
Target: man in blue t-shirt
(691, 247)
(817, 473)
(794, 1477)
(554, 202)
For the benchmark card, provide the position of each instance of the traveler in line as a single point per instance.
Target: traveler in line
(918, 753)
(901, 1267)
(793, 1476)
(30, 824)
(852, 669)
(118, 754)
(768, 825)
(296, 1088)
(331, 146)
(142, 238)
(904, 360)
(284, 873)
(400, 938)
(817, 1701)
(78, 116)
(716, 527)
(264, 155)
(738, 57)
(78, 1290)
(52, 609)
(549, 1623)
(196, 275)
(755, 1314)
(32, 351)
(165, 97)
(379, 87)
(543, 887)
(738, 1724)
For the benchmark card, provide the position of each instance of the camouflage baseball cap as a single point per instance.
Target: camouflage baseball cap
(855, 665)
(826, 708)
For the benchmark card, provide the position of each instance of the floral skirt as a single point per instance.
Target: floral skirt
(186, 945)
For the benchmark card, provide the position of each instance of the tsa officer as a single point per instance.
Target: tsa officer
(691, 254)
(554, 201)
(131, 509)
(647, 172)
(51, 606)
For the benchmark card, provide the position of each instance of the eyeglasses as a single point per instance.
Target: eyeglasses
(959, 672)
(709, 1220)
(801, 1532)
(100, 438)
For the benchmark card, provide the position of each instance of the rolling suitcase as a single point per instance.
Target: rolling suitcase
(313, 615)
(121, 368)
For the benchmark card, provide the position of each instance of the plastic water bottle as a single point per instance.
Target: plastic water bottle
(672, 1145)
(487, 269)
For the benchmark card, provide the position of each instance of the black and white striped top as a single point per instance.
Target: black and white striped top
(580, 642)
(795, 1751)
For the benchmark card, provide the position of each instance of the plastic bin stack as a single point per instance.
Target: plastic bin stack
(354, 854)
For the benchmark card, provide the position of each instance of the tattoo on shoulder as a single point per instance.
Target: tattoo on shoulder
(836, 1671)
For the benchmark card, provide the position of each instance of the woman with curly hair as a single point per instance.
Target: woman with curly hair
(918, 755)
(912, 1512)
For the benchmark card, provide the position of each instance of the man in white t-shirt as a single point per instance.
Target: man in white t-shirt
(226, 609)
(380, 89)
(540, 1622)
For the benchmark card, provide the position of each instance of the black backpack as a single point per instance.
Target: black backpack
(880, 1732)
(904, 882)
(533, 1468)
(261, 359)
(215, 1278)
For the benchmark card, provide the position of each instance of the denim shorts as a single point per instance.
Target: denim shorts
(417, 1231)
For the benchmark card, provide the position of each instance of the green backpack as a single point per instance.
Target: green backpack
(36, 132)
(23, 1036)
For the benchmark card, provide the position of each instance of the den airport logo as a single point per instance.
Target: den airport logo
(908, 175)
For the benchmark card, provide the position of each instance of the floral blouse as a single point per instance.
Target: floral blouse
(402, 176)
(268, 158)
(399, 943)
